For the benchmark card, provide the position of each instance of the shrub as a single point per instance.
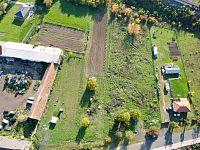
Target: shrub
(118, 135)
(92, 84)
(85, 122)
(153, 131)
(123, 117)
(71, 54)
(107, 140)
(135, 114)
(130, 136)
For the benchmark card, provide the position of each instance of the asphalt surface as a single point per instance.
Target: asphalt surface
(164, 140)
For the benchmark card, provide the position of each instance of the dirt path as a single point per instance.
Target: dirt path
(96, 54)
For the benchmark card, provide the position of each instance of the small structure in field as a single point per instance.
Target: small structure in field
(155, 52)
(24, 11)
(167, 87)
(170, 69)
(182, 106)
(54, 120)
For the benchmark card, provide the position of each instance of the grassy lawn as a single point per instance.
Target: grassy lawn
(70, 15)
(13, 30)
(163, 35)
(189, 44)
(129, 74)
(68, 89)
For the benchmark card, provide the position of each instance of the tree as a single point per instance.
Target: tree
(118, 135)
(2, 7)
(71, 54)
(134, 29)
(92, 84)
(173, 125)
(135, 114)
(22, 118)
(85, 122)
(198, 120)
(123, 117)
(48, 3)
(153, 131)
(107, 140)
(129, 136)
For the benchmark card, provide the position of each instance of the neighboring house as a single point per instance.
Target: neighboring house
(182, 106)
(23, 12)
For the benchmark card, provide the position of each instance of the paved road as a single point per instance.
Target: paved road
(166, 141)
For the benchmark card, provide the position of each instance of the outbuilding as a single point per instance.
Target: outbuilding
(54, 120)
(155, 52)
(172, 71)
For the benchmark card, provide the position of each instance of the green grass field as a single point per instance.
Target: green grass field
(129, 74)
(70, 15)
(189, 44)
(163, 36)
(13, 30)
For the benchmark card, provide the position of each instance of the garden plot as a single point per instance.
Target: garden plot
(173, 49)
(62, 37)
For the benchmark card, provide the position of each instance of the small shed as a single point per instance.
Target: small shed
(167, 87)
(54, 120)
(172, 71)
(155, 52)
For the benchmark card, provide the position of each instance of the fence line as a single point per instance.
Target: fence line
(29, 33)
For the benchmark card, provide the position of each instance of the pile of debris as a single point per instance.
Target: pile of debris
(8, 120)
(18, 83)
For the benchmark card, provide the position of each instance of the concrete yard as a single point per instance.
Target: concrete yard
(8, 101)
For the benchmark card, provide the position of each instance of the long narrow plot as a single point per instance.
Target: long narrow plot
(96, 54)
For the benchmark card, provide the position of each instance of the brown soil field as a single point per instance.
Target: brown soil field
(173, 49)
(62, 37)
(97, 49)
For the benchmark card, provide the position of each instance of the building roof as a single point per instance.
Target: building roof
(155, 50)
(182, 106)
(31, 52)
(43, 93)
(23, 12)
(6, 143)
(54, 119)
(172, 70)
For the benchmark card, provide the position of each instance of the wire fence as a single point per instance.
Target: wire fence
(31, 31)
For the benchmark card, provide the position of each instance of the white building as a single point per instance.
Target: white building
(30, 52)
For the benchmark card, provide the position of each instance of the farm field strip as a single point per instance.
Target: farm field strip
(58, 36)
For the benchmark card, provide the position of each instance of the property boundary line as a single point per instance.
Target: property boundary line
(29, 33)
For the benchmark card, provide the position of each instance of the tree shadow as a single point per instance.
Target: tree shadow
(27, 127)
(52, 126)
(17, 22)
(168, 137)
(195, 133)
(71, 9)
(147, 143)
(85, 99)
(80, 134)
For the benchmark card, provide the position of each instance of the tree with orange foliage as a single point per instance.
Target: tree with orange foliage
(134, 29)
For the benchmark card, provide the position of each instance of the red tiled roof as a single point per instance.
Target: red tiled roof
(182, 106)
(43, 93)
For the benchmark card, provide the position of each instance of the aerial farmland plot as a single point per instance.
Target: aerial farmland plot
(62, 37)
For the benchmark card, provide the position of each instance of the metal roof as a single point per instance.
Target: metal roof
(172, 70)
(6, 143)
(31, 52)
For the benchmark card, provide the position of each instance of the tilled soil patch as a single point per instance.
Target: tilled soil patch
(62, 37)
(97, 50)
